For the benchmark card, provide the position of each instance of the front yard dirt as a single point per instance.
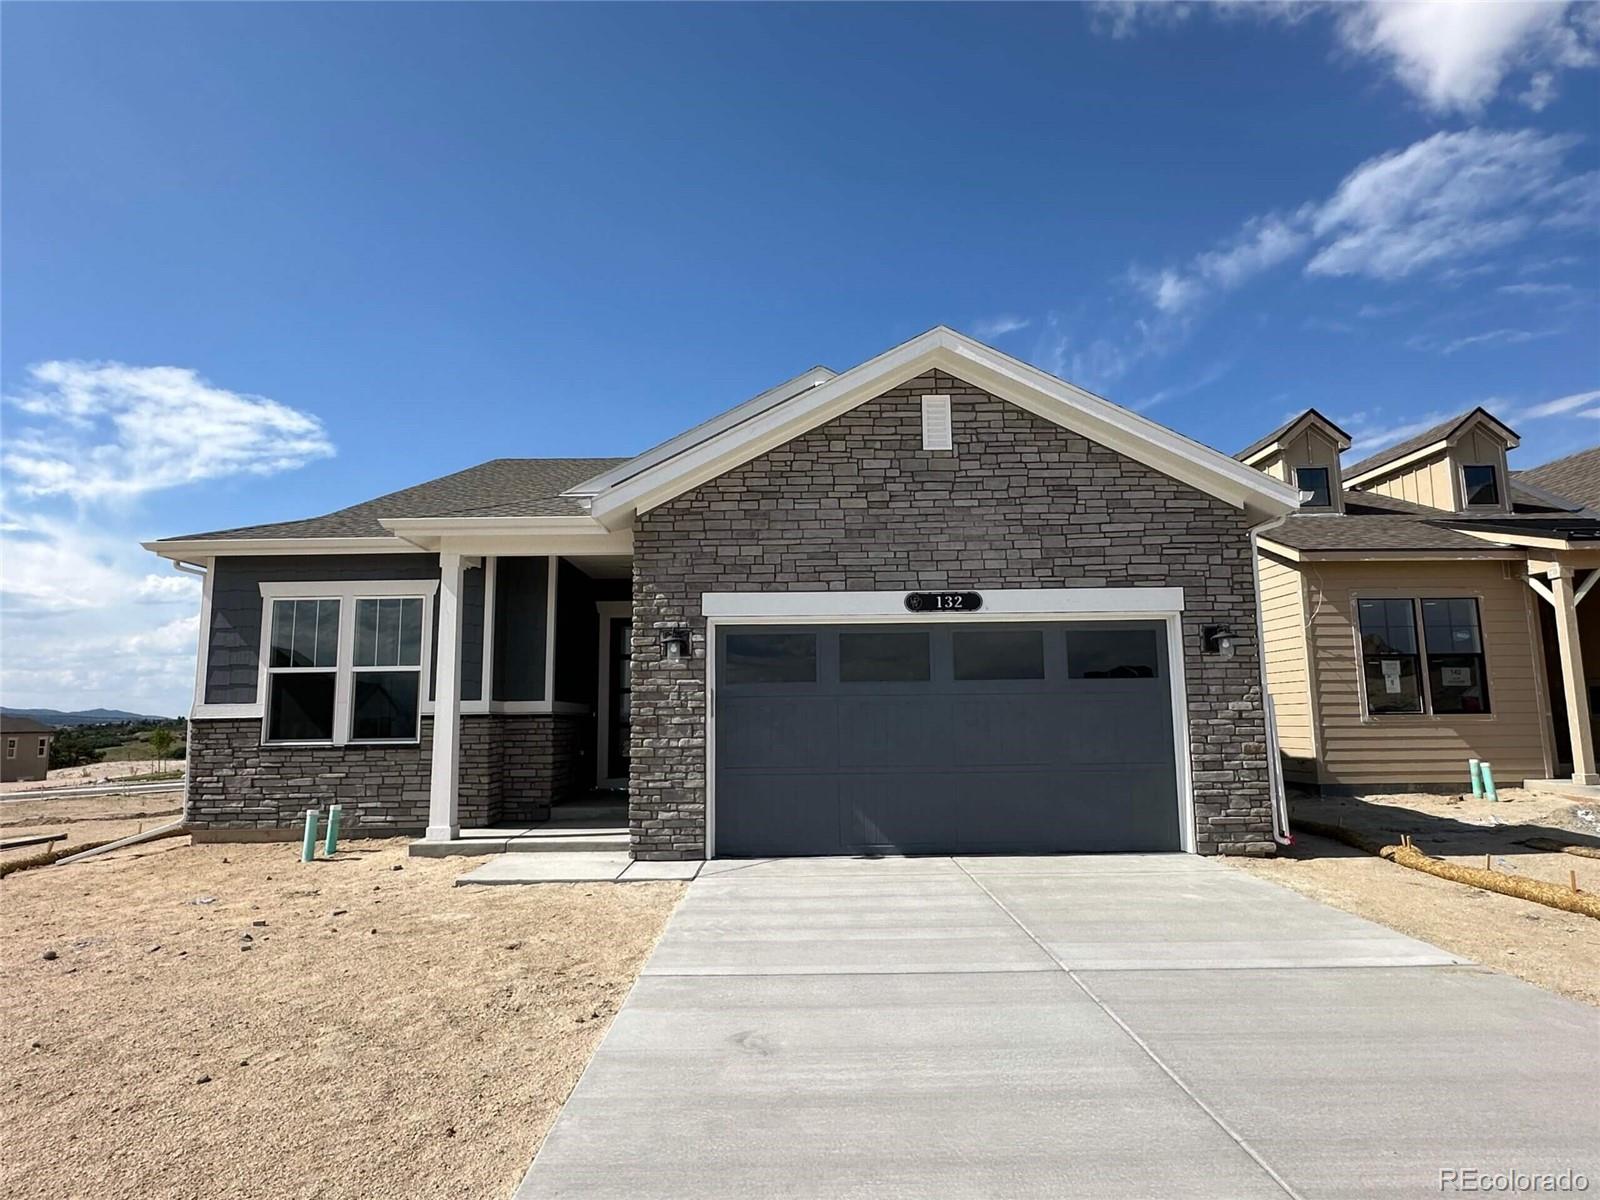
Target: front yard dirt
(1545, 946)
(200, 1021)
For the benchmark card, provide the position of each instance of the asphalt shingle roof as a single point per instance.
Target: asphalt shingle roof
(11, 724)
(503, 487)
(1426, 438)
(1371, 522)
(1575, 477)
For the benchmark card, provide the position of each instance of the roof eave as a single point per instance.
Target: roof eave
(192, 549)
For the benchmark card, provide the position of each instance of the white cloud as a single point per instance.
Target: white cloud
(86, 623)
(106, 431)
(1536, 289)
(1452, 55)
(1588, 402)
(1439, 204)
(993, 327)
(1448, 197)
(1489, 337)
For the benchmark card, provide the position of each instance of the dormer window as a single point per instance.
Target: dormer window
(1313, 485)
(1481, 486)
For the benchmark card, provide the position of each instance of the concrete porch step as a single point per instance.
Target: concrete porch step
(541, 839)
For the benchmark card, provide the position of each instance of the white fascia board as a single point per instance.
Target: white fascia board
(1062, 403)
(720, 423)
(571, 536)
(1004, 602)
(188, 549)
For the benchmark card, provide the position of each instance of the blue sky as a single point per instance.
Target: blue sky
(261, 261)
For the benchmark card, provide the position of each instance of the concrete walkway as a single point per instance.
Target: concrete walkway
(1130, 1026)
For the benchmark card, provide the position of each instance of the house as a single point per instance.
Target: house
(1424, 607)
(941, 601)
(27, 749)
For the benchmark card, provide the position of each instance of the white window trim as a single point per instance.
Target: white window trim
(346, 593)
(44, 746)
(11, 747)
(1023, 604)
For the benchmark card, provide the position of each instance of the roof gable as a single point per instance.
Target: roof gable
(1439, 435)
(1289, 430)
(982, 366)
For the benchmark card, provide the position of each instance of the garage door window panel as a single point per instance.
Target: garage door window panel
(1113, 654)
(884, 656)
(756, 659)
(994, 655)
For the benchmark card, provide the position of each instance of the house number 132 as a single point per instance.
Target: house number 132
(933, 602)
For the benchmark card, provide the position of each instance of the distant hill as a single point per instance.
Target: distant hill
(87, 716)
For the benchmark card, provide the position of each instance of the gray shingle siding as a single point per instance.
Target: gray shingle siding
(857, 504)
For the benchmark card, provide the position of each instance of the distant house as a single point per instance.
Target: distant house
(1425, 606)
(27, 749)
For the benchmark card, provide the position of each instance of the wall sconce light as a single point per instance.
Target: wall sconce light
(675, 644)
(1218, 639)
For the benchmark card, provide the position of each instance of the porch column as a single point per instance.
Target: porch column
(1573, 683)
(444, 822)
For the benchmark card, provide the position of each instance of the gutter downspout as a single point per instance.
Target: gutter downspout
(1280, 804)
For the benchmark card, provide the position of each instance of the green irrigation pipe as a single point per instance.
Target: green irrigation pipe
(308, 848)
(1475, 769)
(330, 845)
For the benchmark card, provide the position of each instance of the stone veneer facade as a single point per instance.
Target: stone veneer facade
(858, 505)
(512, 767)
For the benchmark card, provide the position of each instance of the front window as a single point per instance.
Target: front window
(387, 684)
(1482, 486)
(302, 670)
(1389, 656)
(346, 667)
(1314, 482)
(1445, 675)
(1454, 646)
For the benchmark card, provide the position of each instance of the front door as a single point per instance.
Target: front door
(619, 712)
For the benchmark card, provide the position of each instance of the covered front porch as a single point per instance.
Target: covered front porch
(531, 705)
(1570, 634)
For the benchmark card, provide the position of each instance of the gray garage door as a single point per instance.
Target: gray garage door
(943, 738)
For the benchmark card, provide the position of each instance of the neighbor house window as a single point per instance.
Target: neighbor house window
(387, 685)
(1482, 486)
(345, 665)
(302, 670)
(11, 747)
(1454, 646)
(44, 747)
(1314, 480)
(1445, 674)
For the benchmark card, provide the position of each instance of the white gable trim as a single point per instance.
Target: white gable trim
(786, 390)
(982, 366)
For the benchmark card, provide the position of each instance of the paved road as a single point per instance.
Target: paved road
(1157, 1026)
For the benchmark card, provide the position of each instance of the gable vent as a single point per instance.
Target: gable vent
(936, 423)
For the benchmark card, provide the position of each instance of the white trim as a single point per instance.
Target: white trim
(1172, 618)
(444, 772)
(347, 593)
(1000, 603)
(786, 390)
(608, 611)
(1453, 435)
(981, 366)
(491, 578)
(527, 536)
(202, 656)
(552, 570)
(348, 589)
(469, 708)
(198, 549)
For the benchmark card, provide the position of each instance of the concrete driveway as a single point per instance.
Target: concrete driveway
(1140, 1026)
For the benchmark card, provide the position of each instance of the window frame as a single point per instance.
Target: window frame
(1466, 497)
(344, 670)
(44, 747)
(1327, 486)
(1425, 685)
(11, 747)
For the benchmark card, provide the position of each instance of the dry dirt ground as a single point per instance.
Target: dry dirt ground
(223, 1020)
(84, 819)
(1545, 946)
(89, 774)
